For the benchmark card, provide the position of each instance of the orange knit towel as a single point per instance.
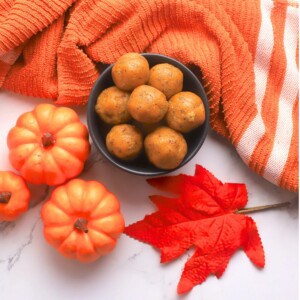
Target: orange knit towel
(247, 51)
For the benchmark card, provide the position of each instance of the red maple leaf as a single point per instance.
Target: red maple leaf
(204, 214)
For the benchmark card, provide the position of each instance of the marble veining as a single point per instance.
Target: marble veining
(12, 259)
(39, 194)
(135, 255)
(133, 271)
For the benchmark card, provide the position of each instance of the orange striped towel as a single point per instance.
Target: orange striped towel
(247, 51)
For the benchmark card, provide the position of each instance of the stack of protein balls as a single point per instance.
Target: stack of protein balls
(148, 109)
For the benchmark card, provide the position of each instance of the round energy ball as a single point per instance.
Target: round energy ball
(186, 112)
(166, 78)
(124, 141)
(111, 106)
(130, 71)
(165, 148)
(146, 104)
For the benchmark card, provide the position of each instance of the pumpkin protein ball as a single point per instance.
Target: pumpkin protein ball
(147, 104)
(130, 71)
(124, 141)
(165, 148)
(111, 106)
(166, 78)
(186, 112)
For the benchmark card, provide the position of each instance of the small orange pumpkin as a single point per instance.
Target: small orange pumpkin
(82, 220)
(48, 145)
(14, 196)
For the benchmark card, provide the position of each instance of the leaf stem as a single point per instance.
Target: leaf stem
(261, 208)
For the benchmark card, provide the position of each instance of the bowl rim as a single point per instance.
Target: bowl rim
(157, 172)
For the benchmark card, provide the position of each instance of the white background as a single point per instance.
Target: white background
(31, 270)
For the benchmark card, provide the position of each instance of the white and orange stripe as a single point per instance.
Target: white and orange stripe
(285, 122)
(266, 143)
(265, 44)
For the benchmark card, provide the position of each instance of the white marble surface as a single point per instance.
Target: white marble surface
(32, 270)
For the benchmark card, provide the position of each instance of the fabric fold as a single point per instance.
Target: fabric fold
(50, 49)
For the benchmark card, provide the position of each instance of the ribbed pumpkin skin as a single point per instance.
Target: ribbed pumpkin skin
(14, 196)
(82, 220)
(48, 145)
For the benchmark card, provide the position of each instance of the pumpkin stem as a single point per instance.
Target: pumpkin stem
(48, 139)
(80, 224)
(5, 197)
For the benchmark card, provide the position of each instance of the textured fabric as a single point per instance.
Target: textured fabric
(247, 51)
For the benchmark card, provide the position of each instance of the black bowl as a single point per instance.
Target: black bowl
(141, 166)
